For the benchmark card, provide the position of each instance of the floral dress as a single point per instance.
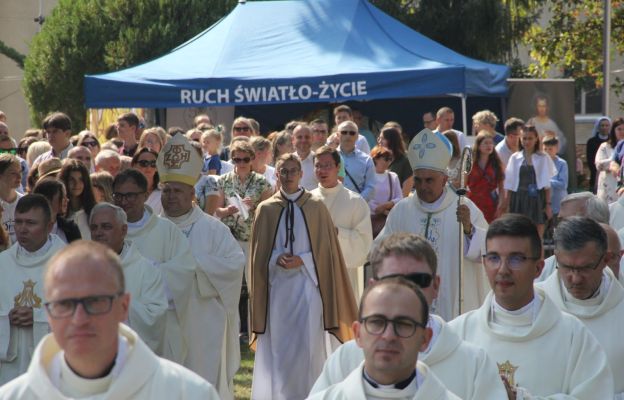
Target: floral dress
(252, 187)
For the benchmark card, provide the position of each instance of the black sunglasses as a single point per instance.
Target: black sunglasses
(421, 279)
(147, 163)
(237, 160)
(351, 133)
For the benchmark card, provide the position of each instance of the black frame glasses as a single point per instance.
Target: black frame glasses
(350, 133)
(92, 305)
(237, 160)
(129, 196)
(404, 327)
(580, 270)
(147, 163)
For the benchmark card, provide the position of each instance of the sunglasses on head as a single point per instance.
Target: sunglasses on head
(351, 133)
(147, 163)
(12, 150)
(237, 160)
(420, 279)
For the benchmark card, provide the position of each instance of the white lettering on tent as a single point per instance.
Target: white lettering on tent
(274, 94)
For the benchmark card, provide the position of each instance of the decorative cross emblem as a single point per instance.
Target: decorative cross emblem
(176, 156)
(425, 144)
(508, 370)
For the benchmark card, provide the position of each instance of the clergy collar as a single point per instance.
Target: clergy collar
(522, 317)
(293, 196)
(595, 299)
(399, 385)
(39, 252)
(334, 189)
(436, 204)
(181, 218)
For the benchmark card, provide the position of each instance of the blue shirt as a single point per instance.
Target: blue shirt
(360, 172)
(558, 184)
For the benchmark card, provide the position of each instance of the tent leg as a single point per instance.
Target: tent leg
(464, 116)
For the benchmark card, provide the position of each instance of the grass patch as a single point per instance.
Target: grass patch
(242, 379)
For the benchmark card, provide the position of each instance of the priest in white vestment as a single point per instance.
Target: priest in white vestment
(299, 289)
(585, 287)
(541, 352)
(212, 315)
(411, 256)
(350, 214)
(390, 331)
(160, 241)
(90, 353)
(144, 282)
(22, 316)
(433, 212)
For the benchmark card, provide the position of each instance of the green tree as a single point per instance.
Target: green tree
(571, 43)
(488, 30)
(13, 54)
(93, 36)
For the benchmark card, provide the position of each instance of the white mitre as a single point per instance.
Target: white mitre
(430, 150)
(179, 161)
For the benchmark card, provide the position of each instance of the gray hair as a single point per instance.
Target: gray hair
(106, 154)
(120, 214)
(573, 233)
(595, 208)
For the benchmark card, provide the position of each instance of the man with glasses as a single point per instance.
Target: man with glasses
(540, 351)
(511, 144)
(161, 242)
(90, 352)
(411, 256)
(349, 212)
(212, 324)
(391, 330)
(302, 142)
(359, 167)
(585, 287)
(344, 113)
(299, 289)
(429, 121)
(320, 131)
(109, 226)
(22, 317)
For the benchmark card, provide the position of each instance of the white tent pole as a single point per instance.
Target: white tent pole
(464, 116)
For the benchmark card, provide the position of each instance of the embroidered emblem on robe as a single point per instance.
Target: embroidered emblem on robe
(176, 156)
(508, 370)
(28, 297)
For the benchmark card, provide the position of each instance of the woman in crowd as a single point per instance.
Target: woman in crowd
(453, 167)
(262, 161)
(145, 161)
(102, 183)
(600, 134)
(151, 139)
(24, 144)
(282, 144)
(241, 188)
(5, 243)
(607, 186)
(485, 181)
(391, 139)
(75, 176)
(387, 188)
(10, 180)
(90, 141)
(35, 150)
(527, 180)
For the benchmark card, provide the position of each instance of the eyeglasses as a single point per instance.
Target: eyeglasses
(403, 327)
(147, 163)
(586, 270)
(130, 196)
(350, 133)
(93, 305)
(237, 160)
(288, 172)
(325, 166)
(421, 279)
(241, 129)
(91, 143)
(12, 150)
(323, 131)
(514, 261)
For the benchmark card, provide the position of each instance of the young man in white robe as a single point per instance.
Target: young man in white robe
(22, 317)
(412, 257)
(434, 213)
(144, 282)
(295, 255)
(350, 214)
(585, 287)
(391, 330)
(160, 241)
(212, 327)
(90, 353)
(541, 352)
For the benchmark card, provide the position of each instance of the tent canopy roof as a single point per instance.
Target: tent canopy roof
(306, 50)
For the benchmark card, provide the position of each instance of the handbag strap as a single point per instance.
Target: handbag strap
(390, 185)
(353, 180)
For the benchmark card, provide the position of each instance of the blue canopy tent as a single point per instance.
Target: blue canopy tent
(294, 51)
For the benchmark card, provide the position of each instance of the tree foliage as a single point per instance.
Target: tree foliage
(93, 36)
(13, 54)
(572, 41)
(488, 30)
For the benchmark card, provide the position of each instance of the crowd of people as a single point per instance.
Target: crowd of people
(139, 261)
